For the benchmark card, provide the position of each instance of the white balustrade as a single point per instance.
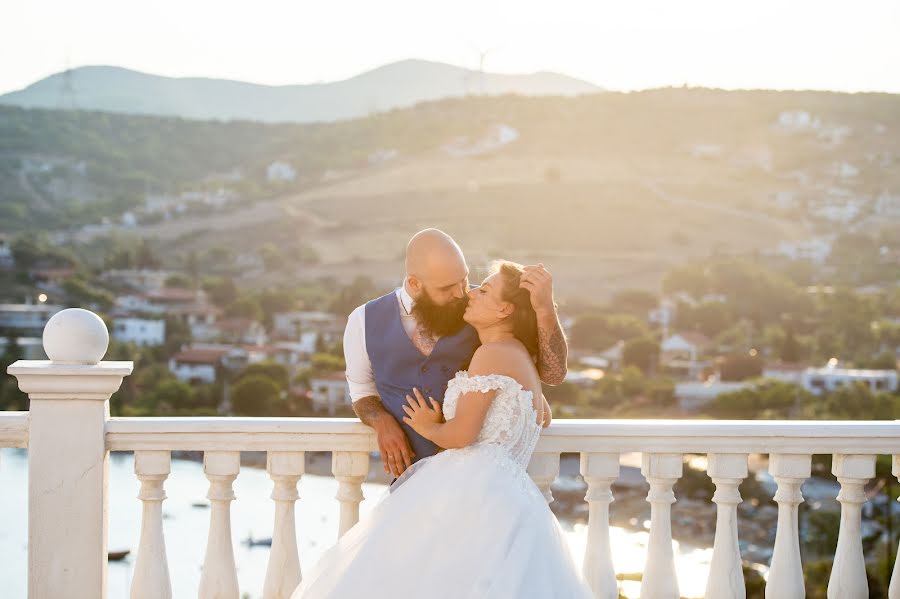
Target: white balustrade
(67, 532)
(894, 588)
(283, 570)
(350, 470)
(848, 573)
(599, 470)
(219, 577)
(151, 568)
(726, 576)
(662, 471)
(68, 462)
(543, 469)
(786, 571)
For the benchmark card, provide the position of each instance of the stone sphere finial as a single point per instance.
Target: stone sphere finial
(75, 336)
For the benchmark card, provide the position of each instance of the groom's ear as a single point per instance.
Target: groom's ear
(415, 284)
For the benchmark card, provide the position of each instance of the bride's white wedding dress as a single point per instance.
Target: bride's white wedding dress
(466, 523)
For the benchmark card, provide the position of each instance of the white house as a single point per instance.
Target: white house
(129, 219)
(682, 351)
(820, 380)
(330, 391)
(280, 171)
(612, 356)
(788, 373)
(142, 279)
(141, 331)
(291, 324)
(31, 348)
(888, 205)
(692, 395)
(663, 315)
(26, 319)
(197, 365)
(815, 250)
(798, 120)
(6, 255)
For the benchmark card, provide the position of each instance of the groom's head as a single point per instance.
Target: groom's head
(438, 281)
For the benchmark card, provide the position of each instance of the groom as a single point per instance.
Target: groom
(415, 337)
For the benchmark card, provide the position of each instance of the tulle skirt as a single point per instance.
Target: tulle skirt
(464, 524)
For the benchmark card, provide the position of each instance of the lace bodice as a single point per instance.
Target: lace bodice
(511, 421)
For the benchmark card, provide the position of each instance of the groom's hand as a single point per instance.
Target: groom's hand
(396, 453)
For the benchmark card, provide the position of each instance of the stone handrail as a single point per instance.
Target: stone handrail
(69, 433)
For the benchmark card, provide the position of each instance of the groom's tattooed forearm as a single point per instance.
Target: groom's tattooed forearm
(554, 353)
(369, 409)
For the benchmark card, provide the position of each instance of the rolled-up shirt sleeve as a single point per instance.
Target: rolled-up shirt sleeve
(360, 378)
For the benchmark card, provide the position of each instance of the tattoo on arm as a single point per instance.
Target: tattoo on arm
(369, 409)
(554, 353)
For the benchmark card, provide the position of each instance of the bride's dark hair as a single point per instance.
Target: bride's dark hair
(524, 319)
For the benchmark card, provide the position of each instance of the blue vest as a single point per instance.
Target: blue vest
(399, 366)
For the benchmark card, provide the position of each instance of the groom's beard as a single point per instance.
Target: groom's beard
(439, 321)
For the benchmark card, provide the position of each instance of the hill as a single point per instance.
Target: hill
(397, 85)
(609, 189)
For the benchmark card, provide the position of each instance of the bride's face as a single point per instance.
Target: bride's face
(486, 305)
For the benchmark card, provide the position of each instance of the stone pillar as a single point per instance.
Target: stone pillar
(68, 464)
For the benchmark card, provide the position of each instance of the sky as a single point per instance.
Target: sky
(623, 45)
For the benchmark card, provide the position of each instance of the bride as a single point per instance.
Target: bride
(468, 522)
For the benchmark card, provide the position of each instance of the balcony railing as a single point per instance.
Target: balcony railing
(69, 434)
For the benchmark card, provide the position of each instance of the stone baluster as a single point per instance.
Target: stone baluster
(543, 469)
(662, 471)
(599, 470)
(894, 588)
(219, 577)
(786, 571)
(350, 468)
(848, 572)
(283, 570)
(151, 568)
(726, 577)
(68, 463)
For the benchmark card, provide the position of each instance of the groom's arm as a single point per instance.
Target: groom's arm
(393, 444)
(553, 351)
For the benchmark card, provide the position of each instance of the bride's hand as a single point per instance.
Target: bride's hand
(420, 416)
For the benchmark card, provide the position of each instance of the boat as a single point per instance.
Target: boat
(261, 542)
(116, 556)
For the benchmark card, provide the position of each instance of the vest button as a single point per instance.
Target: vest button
(424, 368)
(427, 391)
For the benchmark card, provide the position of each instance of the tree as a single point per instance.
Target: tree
(272, 370)
(11, 397)
(179, 281)
(254, 395)
(600, 331)
(271, 256)
(171, 395)
(273, 301)
(222, 290)
(790, 350)
(634, 301)
(361, 290)
(693, 279)
(244, 307)
(642, 353)
(710, 318)
(741, 366)
(146, 256)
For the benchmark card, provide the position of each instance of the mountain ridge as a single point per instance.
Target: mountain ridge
(396, 85)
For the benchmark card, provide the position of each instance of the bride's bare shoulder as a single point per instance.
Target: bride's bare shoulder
(502, 357)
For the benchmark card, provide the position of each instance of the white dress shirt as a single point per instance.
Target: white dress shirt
(360, 377)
